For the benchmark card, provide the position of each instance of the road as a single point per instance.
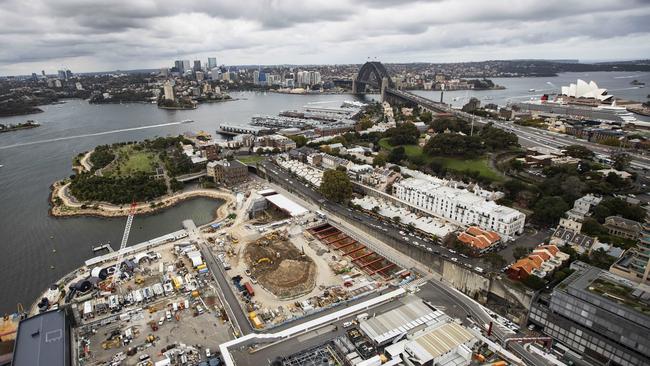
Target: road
(470, 306)
(478, 313)
(530, 136)
(387, 231)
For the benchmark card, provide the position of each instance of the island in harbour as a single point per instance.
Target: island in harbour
(19, 126)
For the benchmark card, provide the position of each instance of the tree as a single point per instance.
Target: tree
(336, 186)
(397, 155)
(364, 123)
(516, 165)
(440, 125)
(426, 117)
(498, 139)
(300, 140)
(578, 151)
(379, 160)
(495, 260)
(451, 144)
(549, 209)
(621, 160)
(534, 282)
(520, 252)
(404, 134)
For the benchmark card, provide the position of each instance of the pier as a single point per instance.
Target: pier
(102, 247)
(226, 129)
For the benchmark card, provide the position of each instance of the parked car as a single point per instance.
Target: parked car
(347, 324)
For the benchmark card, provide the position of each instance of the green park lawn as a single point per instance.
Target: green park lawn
(250, 159)
(131, 161)
(457, 164)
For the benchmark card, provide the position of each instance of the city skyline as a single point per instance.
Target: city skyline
(88, 37)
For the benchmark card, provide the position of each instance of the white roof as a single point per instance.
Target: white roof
(286, 204)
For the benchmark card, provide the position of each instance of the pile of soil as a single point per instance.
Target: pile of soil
(287, 273)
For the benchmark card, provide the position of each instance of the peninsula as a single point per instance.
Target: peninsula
(110, 177)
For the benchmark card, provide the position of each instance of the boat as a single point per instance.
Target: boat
(637, 83)
(187, 121)
(531, 90)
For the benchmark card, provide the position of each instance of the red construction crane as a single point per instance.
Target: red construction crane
(125, 239)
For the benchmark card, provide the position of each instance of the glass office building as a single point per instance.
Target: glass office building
(603, 317)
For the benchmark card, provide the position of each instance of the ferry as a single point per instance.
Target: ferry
(187, 121)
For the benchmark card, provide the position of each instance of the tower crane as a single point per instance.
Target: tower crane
(125, 238)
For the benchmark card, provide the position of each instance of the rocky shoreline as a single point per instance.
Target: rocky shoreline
(62, 206)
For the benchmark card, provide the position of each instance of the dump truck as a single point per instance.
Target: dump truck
(249, 289)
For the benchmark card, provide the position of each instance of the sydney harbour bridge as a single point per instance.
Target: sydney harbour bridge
(373, 76)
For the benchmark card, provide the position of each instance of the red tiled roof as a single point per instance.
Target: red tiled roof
(478, 238)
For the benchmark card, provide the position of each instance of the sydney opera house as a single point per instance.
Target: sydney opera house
(590, 90)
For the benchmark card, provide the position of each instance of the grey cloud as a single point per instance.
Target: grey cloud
(85, 34)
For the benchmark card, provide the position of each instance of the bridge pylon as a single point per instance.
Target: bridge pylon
(384, 86)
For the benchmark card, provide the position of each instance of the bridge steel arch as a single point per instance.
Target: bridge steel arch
(369, 69)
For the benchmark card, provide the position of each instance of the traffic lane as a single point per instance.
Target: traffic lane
(477, 313)
(303, 342)
(392, 230)
(224, 285)
(469, 306)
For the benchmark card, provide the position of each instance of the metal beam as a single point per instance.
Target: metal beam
(372, 262)
(354, 250)
(346, 245)
(362, 256)
(384, 268)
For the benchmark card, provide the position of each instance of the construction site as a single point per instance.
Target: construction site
(285, 262)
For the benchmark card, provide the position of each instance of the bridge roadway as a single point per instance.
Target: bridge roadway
(528, 136)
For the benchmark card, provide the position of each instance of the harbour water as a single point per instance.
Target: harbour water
(32, 159)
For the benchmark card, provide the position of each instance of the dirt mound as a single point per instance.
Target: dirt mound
(280, 267)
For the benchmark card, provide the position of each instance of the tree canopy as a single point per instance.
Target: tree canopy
(336, 186)
(548, 210)
(452, 144)
(578, 151)
(404, 134)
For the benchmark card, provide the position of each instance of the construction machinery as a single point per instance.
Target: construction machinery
(265, 259)
(125, 239)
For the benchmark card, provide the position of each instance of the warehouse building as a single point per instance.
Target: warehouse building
(43, 340)
(448, 344)
(406, 319)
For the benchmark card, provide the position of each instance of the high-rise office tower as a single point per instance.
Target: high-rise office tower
(178, 64)
(169, 90)
(212, 62)
(197, 65)
(186, 66)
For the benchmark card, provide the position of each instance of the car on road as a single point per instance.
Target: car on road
(452, 251)
(347, 324)
(207, 353)
(161, 320)
(454, 259)
(168, 315)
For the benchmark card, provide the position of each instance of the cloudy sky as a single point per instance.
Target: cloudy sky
(91, 35)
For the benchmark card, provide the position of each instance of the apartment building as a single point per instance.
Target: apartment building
(466, 207)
